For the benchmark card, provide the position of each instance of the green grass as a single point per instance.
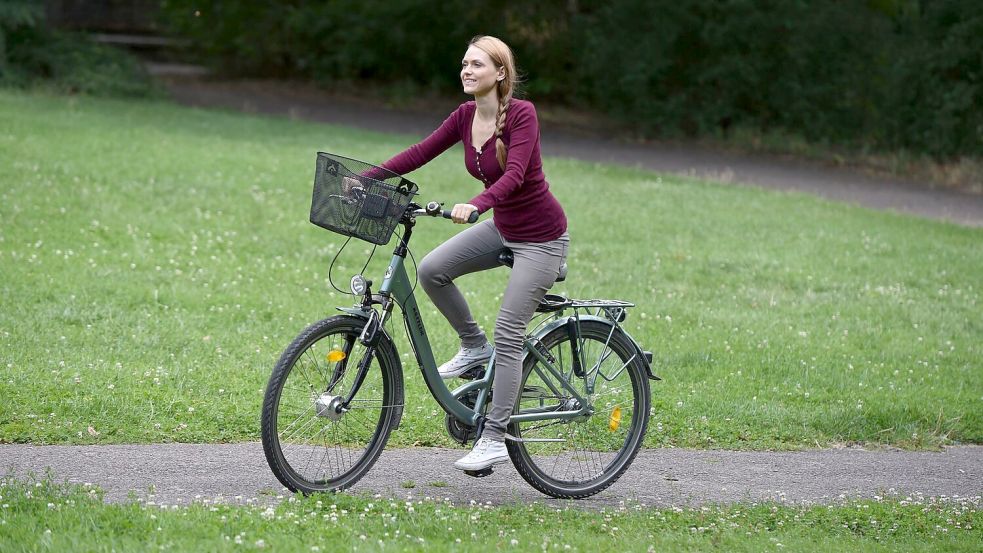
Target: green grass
(41, 516)
(155, 260)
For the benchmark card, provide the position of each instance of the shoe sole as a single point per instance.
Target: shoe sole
(491, 463)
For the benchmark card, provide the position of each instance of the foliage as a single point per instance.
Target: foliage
(888, 74)
(15, 17)
(33, 55)
(939, 84)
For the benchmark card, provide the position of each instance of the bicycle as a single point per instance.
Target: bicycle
(336, 393)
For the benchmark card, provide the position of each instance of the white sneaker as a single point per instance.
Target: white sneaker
(466, 359)
(486, 452)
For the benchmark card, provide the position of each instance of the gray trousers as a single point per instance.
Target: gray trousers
(536, 267)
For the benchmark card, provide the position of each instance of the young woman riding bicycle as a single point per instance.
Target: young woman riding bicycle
(501, 149)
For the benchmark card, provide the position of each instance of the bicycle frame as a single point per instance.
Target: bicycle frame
(397, 285)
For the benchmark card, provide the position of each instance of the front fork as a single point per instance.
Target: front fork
(370, 336)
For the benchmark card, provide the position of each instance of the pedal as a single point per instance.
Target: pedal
(479, 473)
(473, 373)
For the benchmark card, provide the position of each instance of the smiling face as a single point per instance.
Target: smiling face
(478, 73)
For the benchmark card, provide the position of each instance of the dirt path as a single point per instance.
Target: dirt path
(232, 473)
(833, 183)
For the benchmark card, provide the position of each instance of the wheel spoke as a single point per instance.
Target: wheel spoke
(595, 447)
(316, 452)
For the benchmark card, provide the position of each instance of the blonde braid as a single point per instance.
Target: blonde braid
(501, 56)
(503, 108)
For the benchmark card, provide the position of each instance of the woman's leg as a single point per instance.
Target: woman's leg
(535, 270)
(473, 249)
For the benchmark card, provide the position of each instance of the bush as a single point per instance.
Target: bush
(882, 74)
(16, 18)
(938, 86)
(32, 55)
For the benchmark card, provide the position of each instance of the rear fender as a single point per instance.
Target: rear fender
(643, 355)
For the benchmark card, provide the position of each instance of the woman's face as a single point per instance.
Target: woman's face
(478, 73)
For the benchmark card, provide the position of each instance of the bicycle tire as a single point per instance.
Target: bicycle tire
(383, 384)
(595, 468)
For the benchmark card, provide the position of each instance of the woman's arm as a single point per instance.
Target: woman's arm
(420, 154)
(523, 135)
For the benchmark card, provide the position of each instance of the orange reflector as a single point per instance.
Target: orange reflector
(614, 421)
(336, 355)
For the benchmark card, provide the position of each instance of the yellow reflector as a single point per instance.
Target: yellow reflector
(614, 421)
(336, 355)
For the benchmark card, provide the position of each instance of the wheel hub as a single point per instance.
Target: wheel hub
(571, 405)
(329, 407)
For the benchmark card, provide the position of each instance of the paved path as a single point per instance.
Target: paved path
(180, 473)
(833, 183)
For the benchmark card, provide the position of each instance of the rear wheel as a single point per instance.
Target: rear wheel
(309, 443)
(591, 452)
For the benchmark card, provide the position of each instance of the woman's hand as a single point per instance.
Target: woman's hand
(461, 212)
(350, 185)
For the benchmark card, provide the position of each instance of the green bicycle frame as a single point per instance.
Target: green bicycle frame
(397, 284)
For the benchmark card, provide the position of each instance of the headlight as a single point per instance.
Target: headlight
(358, 285)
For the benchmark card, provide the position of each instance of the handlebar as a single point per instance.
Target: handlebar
(433, 209)
(473, 218)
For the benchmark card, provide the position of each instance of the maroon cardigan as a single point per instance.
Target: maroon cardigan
(525, 209)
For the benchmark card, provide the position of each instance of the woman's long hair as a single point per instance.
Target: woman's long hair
(501, 56)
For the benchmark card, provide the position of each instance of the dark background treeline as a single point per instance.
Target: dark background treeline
(888, 74)
(867, 74)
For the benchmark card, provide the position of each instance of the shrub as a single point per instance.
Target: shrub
(888, 74)
(32, 55)
(938, 87)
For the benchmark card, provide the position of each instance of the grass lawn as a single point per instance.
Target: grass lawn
(155, 260)
(40, 516)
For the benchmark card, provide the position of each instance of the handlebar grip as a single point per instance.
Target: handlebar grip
(473, 218)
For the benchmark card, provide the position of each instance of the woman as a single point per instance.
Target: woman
(501, 142)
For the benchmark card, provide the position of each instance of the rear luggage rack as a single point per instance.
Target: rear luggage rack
(556, 302)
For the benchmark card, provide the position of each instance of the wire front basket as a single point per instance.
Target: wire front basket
(358, 199)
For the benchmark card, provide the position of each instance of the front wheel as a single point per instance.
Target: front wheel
(580, 457)
(310, 444)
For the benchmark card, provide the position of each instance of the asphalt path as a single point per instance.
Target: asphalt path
(179, 474)
(562, 138)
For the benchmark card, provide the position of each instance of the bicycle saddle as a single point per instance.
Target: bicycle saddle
(507, 258)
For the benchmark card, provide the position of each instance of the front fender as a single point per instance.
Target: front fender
(357, 311)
